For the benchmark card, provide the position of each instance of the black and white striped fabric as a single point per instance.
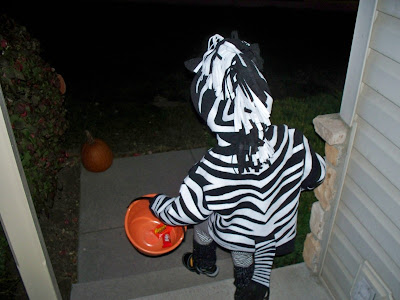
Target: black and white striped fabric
(247, 187)
(263, 260)
(243, 208)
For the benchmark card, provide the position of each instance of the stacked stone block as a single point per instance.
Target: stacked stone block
(334, 132)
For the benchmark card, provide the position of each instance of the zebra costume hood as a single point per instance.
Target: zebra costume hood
(232, 96)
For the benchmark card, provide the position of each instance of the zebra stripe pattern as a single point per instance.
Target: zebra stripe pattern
(263, 260)
(242, 208)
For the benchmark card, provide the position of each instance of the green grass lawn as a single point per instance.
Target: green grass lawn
(142, 128)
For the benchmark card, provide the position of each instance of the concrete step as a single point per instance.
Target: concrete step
(149, 283)
(287, 283)
(291, 282)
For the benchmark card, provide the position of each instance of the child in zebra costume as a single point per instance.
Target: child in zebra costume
(243, 194)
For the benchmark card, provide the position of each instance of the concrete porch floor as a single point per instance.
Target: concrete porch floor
(109, 267)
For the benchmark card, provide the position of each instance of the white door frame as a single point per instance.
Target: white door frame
(19, 219)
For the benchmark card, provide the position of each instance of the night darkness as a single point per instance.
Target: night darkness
(123, 51)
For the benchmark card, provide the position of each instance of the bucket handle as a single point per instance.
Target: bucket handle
(147, 197)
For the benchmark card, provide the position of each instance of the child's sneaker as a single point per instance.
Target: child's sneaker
(188, 262)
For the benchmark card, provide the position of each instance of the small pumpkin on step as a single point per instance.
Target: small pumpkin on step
(96, 155)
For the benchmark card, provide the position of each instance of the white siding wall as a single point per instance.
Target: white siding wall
(367, 221)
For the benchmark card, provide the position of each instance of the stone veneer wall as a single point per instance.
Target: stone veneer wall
(334, 132)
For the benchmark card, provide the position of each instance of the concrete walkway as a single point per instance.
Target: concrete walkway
(109, 267)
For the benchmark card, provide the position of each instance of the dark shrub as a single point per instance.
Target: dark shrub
(35, 105)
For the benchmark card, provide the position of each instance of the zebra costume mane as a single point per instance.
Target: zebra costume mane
(232, 96)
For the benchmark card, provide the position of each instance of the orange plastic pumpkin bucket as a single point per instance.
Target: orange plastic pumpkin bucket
(140, 224)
